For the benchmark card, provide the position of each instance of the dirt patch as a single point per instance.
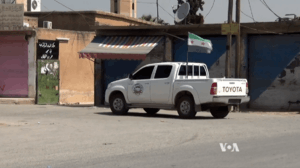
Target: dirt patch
(3, 125)
(276, 113)
(12, 124)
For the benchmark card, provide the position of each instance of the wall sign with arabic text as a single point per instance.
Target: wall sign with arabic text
(47, 50)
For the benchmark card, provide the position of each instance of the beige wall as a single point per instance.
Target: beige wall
(124, 7)
(22, 2)
(76, 75)
(82, 22)
(65, 20)
(110, 22)
(32, 21)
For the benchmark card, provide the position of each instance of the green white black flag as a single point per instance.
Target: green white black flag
(198, 44)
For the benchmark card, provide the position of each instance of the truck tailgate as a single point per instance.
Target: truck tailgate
(230, 87)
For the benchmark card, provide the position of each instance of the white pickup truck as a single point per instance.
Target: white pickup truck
(165, 86)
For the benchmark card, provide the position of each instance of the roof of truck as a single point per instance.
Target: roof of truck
(179, 63)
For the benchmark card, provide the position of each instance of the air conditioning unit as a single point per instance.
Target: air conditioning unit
(47, 25)
(34, 5)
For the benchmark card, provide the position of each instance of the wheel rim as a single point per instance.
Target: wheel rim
(185, 107)
(118, 104)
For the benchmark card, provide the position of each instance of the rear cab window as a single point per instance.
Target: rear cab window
(182, 70)
(202, 71)
(195, 71)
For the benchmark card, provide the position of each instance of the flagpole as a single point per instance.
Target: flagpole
(187, 57)
(187, 61)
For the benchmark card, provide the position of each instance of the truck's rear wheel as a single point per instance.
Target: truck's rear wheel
(117, 104)
(219, 112)
(151, 111)
(186, 107)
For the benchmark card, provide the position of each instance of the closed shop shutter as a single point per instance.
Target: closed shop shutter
(13, 66)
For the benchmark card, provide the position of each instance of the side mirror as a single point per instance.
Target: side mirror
(130, 76)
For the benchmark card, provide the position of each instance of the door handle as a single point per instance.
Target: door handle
(167, 83)
(146, 83)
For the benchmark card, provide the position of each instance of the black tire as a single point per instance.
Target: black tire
(186, 107)
(151, 111)
(219, 112)
(118, 105)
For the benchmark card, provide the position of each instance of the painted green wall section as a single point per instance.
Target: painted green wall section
(48, 82)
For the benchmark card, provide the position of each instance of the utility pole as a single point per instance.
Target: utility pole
(229, 40)
(238, 44)
(238, 40)
(157, 11)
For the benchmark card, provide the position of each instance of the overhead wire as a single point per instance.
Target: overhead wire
(247, 15)
(141, 2)
(45, 7)
(265, 3)
(260, 30)
(165, 10)
(210, 9)
(251, 10)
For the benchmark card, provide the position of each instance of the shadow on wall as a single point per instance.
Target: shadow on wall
(274, 72)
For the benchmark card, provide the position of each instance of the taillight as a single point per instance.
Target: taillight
(247, 89)
(213, 89)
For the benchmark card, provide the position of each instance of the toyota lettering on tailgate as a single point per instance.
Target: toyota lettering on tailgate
(232, 89)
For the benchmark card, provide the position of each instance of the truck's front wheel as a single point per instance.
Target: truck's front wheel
(186, 107)
(118, 104)
(219, 112)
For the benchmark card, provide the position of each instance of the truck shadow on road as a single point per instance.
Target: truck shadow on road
(134, 114)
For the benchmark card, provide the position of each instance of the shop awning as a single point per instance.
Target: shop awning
(120, 47)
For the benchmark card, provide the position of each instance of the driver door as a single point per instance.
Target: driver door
(139, 87)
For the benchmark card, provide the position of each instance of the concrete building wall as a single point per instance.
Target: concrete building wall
(110, 22)
(274, 72)
(76, 75)
(32, 21)
(82, 21)
(168, 49)
(23, 2)
(31, 67)
(124, 7)
(67, 21)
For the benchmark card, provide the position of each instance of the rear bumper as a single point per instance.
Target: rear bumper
(231, 100)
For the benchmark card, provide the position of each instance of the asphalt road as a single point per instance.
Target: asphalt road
(68, 137)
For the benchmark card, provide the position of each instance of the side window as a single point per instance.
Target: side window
(202, 71)
(163, 71)
(196, 71)
(182, 70)
(144, 73)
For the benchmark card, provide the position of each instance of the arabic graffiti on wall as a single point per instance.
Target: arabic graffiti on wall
(11, 15)
(47, 49)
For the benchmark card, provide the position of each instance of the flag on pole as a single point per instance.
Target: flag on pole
(198, 44)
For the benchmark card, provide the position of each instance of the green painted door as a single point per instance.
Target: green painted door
(48, 82)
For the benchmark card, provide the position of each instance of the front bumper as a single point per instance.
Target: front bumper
(231, 100)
